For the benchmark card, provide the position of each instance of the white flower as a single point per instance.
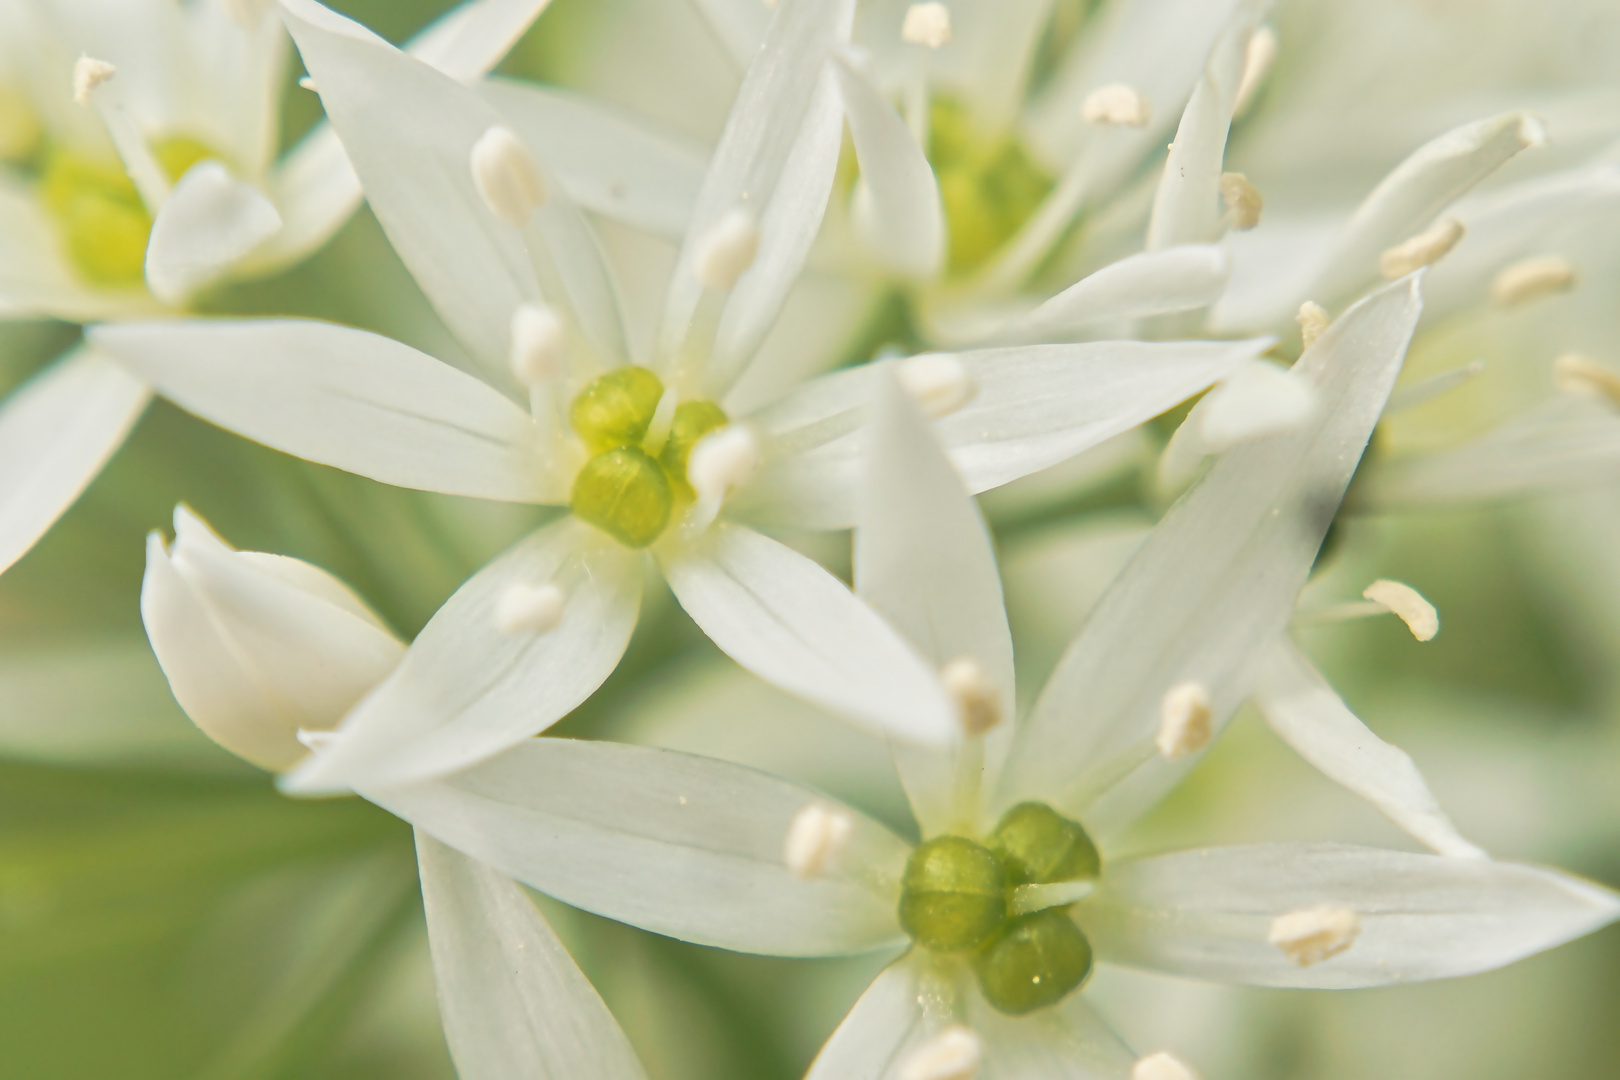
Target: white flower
(646, 458)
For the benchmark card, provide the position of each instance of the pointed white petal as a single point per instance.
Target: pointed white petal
(56, 432)
(1302, 708)
(739, 24)
(897, 207)
(1150, 283)
(1068, 1041)
(343, 397)
(781, 616)
(885, 1025)
(473, 684)
(471, 39)
(1208, 913)
(514, 1003)
(1035, 406)
(1214, 583)
(209, 221)
(685, 846)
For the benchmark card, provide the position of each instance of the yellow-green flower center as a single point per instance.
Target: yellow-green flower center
(636, 474)
(989, 183)
(20, 130)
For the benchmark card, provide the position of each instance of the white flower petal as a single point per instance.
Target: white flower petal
(897, 208)
(56, 432)
(1208, 913)
(470, 687)
(1213, 584)
(1302, 708)
(343, 397)
(470, 39)
(1068, 1041)
(739, 24)
(514, 1003)
(685, 846)
(1035, 407)
(882, 1028)
(781, 616)
(209, 221)
(1149, 283)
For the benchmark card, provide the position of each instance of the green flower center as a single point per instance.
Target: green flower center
(956, 896)
(637, 471)
(989, 183)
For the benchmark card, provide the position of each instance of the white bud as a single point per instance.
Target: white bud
(1530, 278)
(1424, 249)
(1405, 602)
(1162, 1066)
(507, 176)
(1257, 401)
(89, 73)
(539, 340)
(1116, 104)
(939, 382)
(954, 1053)
(815, 838)
(1313, 322)
(529, 609)
(1184, 720)
(927, 24)
(727, 252)
(1576, 374)
(720, 461)
(1313, 935)
(1243, 201)
(977, 702)
(1258, 56)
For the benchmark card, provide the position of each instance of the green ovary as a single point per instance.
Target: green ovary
(629, 489)
(956, 896)
(989, 183)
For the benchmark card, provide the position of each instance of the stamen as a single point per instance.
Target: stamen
(1313, 322)
(939, 382)
(1429, 389)
(955, 1053)
(816, 837)
(307, 82)
(1162, 1066)
(720, 461)
(1405, 602)
(1258, 57)
(1314, 934)
(1116, 104)
(1028, 899)
(538, 350)
(1576, 374)
(316, 740)
(927, 24)
(1530, 278)
(507, 176)
(89, 73)
(1243, 201)
(978, 705)
(663, 419)
(1184, 720)
(728, 251)
(1424, 249)
(529, 609)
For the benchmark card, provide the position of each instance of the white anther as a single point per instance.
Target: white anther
(1314, 934)
(955, 1053)
(307, 82)
(815, 838)
(1162, 1066)
(1530, 278)
(927, 24)
(1117, 104)
(538, 350)
(89, 73)
(316, 740)
(1424, 249)
(1313, 322)
(1257, 401)
(939, 382)
(529, 609)
(1258, 57)
(1576, 374)
(1406, 603)
(1184, 720)
(507, 176)
(1242, 199)
(720, 461)
(977, 702)
(727, 252)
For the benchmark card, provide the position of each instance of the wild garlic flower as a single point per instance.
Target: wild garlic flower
(645, 458)
(138, 166)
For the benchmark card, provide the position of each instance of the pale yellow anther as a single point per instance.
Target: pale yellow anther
(720, 462)
(1313, 322)
(954, 1053)
(727, 252)
(1577, 374)
(816, 836)
(927, 24)
(307, 82)
(1530, 278)
(1258, 57)
(1242, 199)
(1408, 605)
(1162, 1066)
(1315, 934)
(89, 73)
(529, 609)
(1425, 249)
(977, 702)
(507, 176)
(1116, 104)
(939, 382)
(538, 348)
(1185, 720)
(316, 739)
